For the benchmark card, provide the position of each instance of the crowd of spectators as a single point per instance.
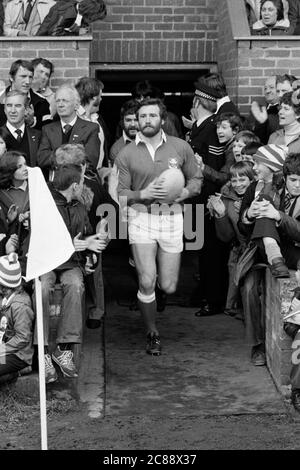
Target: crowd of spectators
(250, 172)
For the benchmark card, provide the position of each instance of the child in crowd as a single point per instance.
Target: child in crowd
(228, 125)
(277, 217)
(16, 318)
(260, 196)
(225, 208)
(241, 139)
(249, 150)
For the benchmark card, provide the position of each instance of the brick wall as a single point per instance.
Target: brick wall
(160, 31)
(69, 56)
(227, 56)
(278, 344)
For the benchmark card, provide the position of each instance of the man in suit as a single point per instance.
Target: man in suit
(38, 111)
(19, 136)
(69, 129)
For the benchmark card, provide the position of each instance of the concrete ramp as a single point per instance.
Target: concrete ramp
(205, 367)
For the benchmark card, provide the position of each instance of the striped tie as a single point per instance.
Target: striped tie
(287, 202)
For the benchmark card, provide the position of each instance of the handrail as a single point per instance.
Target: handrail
(88, 37)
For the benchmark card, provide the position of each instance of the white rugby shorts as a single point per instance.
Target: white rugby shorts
(165, 230)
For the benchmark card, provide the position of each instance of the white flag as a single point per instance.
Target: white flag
(50, 241)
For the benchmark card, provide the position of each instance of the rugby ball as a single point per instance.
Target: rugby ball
(173, 182)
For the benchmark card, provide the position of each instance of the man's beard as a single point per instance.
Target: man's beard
(150, 131)
(129, 134)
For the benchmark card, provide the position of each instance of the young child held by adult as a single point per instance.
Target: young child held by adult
(225, 207)
(16, 318)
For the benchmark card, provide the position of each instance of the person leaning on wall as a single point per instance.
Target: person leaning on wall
(272, 21)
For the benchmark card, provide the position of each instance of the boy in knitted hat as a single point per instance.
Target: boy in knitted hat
(257, 211)
(16, 318)
(275, 217)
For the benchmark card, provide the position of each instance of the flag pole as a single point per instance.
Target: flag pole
(42, 382)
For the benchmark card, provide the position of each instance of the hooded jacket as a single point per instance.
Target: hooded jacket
(17, 338)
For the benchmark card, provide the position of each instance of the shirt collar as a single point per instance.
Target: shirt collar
(126, 138)
(63, 123)
(222, 101)
(13, 129)
(23, 186)
(201, 120)
(140, 138)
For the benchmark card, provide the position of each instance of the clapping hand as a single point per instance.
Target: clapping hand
(216, 206)
(79, 245)
(260, 113)
(199, 161)
(24, 219)
(96, 242)
(12, 213)
(267, 209)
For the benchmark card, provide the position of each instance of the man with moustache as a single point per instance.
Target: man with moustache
(155, 235)
(129, 124)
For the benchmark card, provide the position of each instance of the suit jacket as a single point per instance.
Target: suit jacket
(33, 136)
(40, 106)
(63, 14)
(83, 132)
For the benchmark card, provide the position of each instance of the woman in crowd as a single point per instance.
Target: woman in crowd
(272, 21)
(14, 200)
(289, 112)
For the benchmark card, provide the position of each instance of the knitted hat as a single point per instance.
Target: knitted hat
(10, 271)
(273, 156)
(205, 91)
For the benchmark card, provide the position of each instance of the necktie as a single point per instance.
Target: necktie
(19, 135)
(67, 128)
(287, 202)
(28, 11)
